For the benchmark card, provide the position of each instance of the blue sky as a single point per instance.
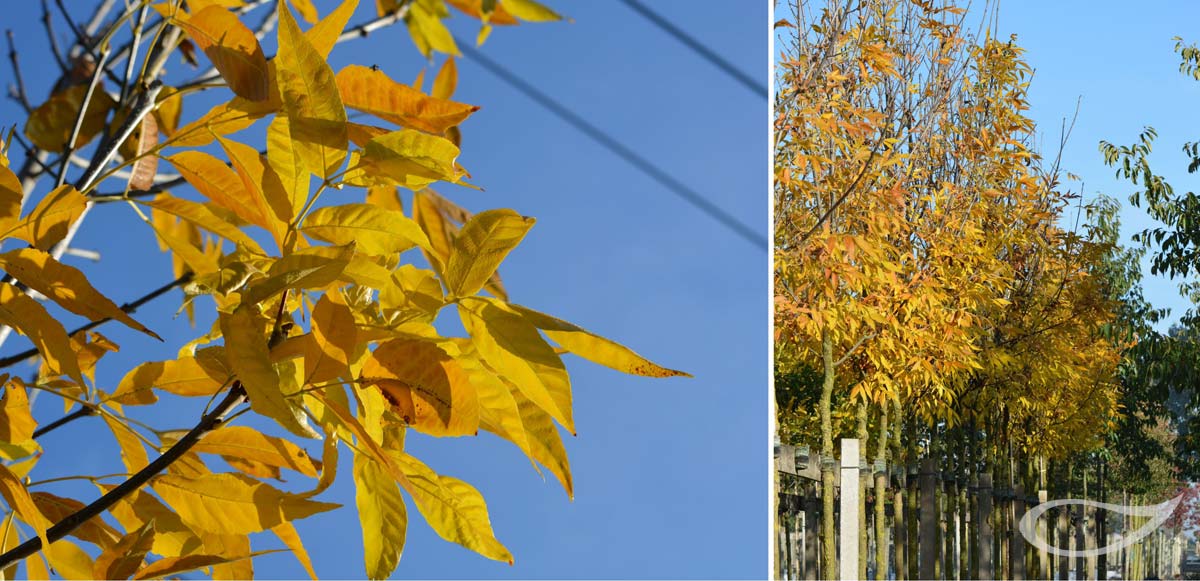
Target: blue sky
(669, 473)
(1122, 64)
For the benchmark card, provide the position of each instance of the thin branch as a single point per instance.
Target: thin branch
(82, 412)
(83, 108)
(129, 307)
(208, 423)
(19, 94)
(48, 24)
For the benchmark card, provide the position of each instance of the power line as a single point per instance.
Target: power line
(603, 138)
(698, 47)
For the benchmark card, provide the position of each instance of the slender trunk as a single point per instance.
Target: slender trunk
(881, 529)
(828, 534)
(898, 502)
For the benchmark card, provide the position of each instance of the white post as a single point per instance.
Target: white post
(848, 523)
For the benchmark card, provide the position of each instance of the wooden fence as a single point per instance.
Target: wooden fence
(943, 527)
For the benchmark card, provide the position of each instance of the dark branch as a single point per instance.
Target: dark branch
(208, 423)
(82, 412)
(127, 307)
(19, 90)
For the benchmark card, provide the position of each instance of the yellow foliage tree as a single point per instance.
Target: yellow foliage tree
(324, 324)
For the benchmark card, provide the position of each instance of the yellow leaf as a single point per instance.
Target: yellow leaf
(16, 423)
(263, 187)
(250, 444)
(324, 34)
(504, 411)
(440, 218)
(65, 285)
(425, 386)
(232, 48)
(446, 81)
(376, 231)
(314, 267)
(125, 557)
(287, 163)
(169, 566)
(202, 375)
(373, 92)
(291, 539)
(515, 350)
(31, 319)
(452, 507)
(595, 348)
(202, 216)
(49, 221)
(230, 545)
(427, 31)
(133, 454)
(219, 183)
(383, 515)
(232, 503)
(56, 508)
(316, 116)
(171, 536)
(246, 350)
(18, 499)
(333, 341)
(530, 10)
(410, 158)
(306, 9)
(69, 561)
(11, 195)
(50, 125)
(480, 247)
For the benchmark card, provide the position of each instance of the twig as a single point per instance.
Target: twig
(82, 412)
(207, 423)
(131, 60)
(83, 108)
(48, 24)
(20, 95)
(129, 307)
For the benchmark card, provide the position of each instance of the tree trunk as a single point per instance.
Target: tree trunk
(828, 492)
(863, 541)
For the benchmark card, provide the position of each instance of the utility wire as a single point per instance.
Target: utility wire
(759, 88)
(603, 138)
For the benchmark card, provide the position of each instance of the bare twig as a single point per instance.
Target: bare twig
(48, 24)
(82, 412)
(83, 108)
(207, 423)
(129, 307)
(19, 91)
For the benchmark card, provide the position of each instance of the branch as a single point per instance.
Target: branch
(47, 22)
(208, 423)
(20, 95)
(82, 412)
(129, 307)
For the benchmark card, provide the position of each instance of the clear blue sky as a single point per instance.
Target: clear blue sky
(1122, 63)
(669, 474)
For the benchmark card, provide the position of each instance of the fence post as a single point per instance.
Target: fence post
(984, 570)
(1017, 546)
(848, 520)
(811, 502)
